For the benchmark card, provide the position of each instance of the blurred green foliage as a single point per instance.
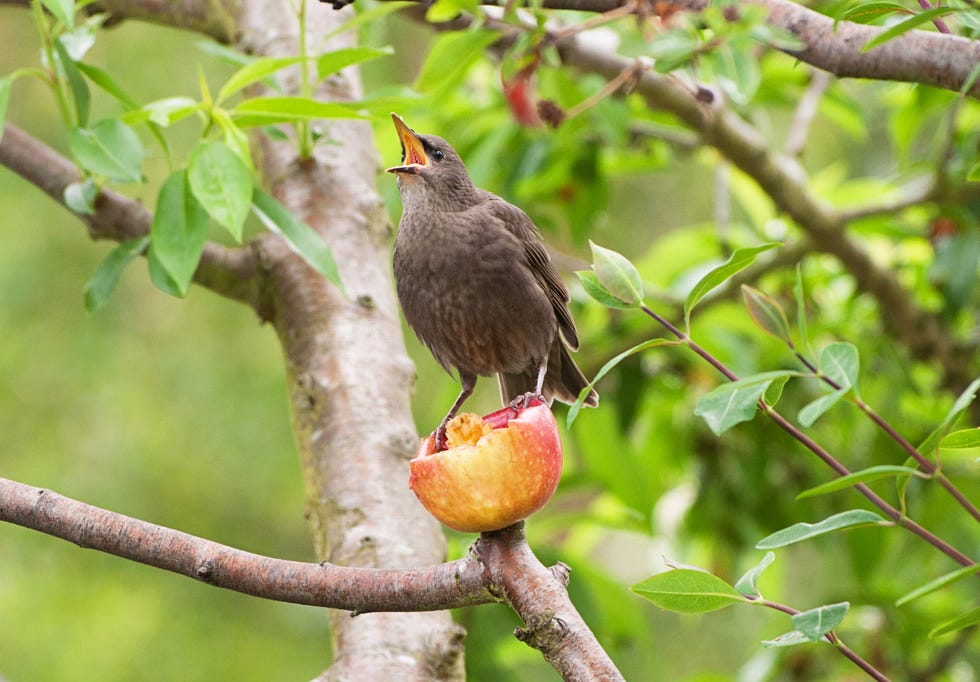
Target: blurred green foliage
(174, 411)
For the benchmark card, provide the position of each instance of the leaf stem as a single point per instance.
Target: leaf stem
(894, 514)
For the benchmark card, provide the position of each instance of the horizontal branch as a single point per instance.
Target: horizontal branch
(231, 272)
(937, 59)
(360, 590)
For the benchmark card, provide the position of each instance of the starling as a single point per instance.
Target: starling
(476, 283)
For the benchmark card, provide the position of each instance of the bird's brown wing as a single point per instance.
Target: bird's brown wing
(539, 261)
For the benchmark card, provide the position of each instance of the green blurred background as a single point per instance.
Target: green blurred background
(175, 411)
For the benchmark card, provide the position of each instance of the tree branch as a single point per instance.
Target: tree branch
(231, 272)
(360, 590)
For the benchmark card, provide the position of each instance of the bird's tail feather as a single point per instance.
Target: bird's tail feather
(562, 382)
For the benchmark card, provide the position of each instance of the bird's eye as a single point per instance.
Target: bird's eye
(438, 155)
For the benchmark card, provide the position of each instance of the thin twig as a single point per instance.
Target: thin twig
(806, 111)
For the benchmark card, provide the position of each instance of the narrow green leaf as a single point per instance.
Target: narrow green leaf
(235, 137)
(332, 62)
(5, 84)
(446, 10)
(63, 11)
(799, 295)
(222, 183)
(80, 196)
(817, 622)
(939, 583)
(841, 364)
(180, 225)
(671, 49)
(266, 110)
(577, 405)
(617, 275)
(963, 443)
(252, 72)
(369, 16)
(102, 78)
(789, 639)
(593, 287)
(103, 282)
(688, 591)
(813, 411)
(746, 585)
(163, 112)
(775, 390)
(80, 93)
(805, 531)
(450, 56)
(874, 473)
(963, 401)
(109, 148)
(767, 313)
(735, 402)
(866, 12)
(956, 624)
(739, 260)
(301, 237)
(905, 26)
(224, 53)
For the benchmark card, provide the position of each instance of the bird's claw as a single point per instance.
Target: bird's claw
(522, 402)
(440, 436)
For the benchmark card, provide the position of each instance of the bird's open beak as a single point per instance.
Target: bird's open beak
(413, 154)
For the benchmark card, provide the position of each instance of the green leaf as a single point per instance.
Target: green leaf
(973, 175)
(266, 110)
(164, 112)
(80, 93)
(577, 405)
(159, 276)
(746, 585)
(963, 443)
(592, 286)
(874, 473)
(767, 313)
(252, 72)
(739, 260)
(817, 622)
(688, 590)
(960, 622)
(963, 401)
(180, 225)
(450, 56)
(799, 295)
(368, 16)
(939, 583)
(303, 239)
(737, 70)
(102, 78)
(5, 84)
(735, 402)
(805, 531)
(445, 10)
(671, 49)
(332, 62)
(789, 639)
(235, 137)
(63, 11)
(840, 363)
(109, 148)
(866, 12)
(905, 26)
(80, 196)
(812, 412)
(617, 275)
(222, 183)
(103, 282)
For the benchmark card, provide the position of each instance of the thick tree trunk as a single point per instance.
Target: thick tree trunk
(349, 374)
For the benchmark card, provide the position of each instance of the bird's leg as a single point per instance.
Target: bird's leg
(522, 401)
(467, 384)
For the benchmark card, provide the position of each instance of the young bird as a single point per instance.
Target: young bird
(476, 283)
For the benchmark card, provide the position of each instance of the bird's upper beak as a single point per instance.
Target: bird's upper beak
(413, 153)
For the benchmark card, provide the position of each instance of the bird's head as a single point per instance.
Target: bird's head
(430, 166)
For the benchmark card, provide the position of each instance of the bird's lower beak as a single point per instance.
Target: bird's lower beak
(413, 154)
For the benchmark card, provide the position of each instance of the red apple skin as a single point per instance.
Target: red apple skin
(507, 476)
